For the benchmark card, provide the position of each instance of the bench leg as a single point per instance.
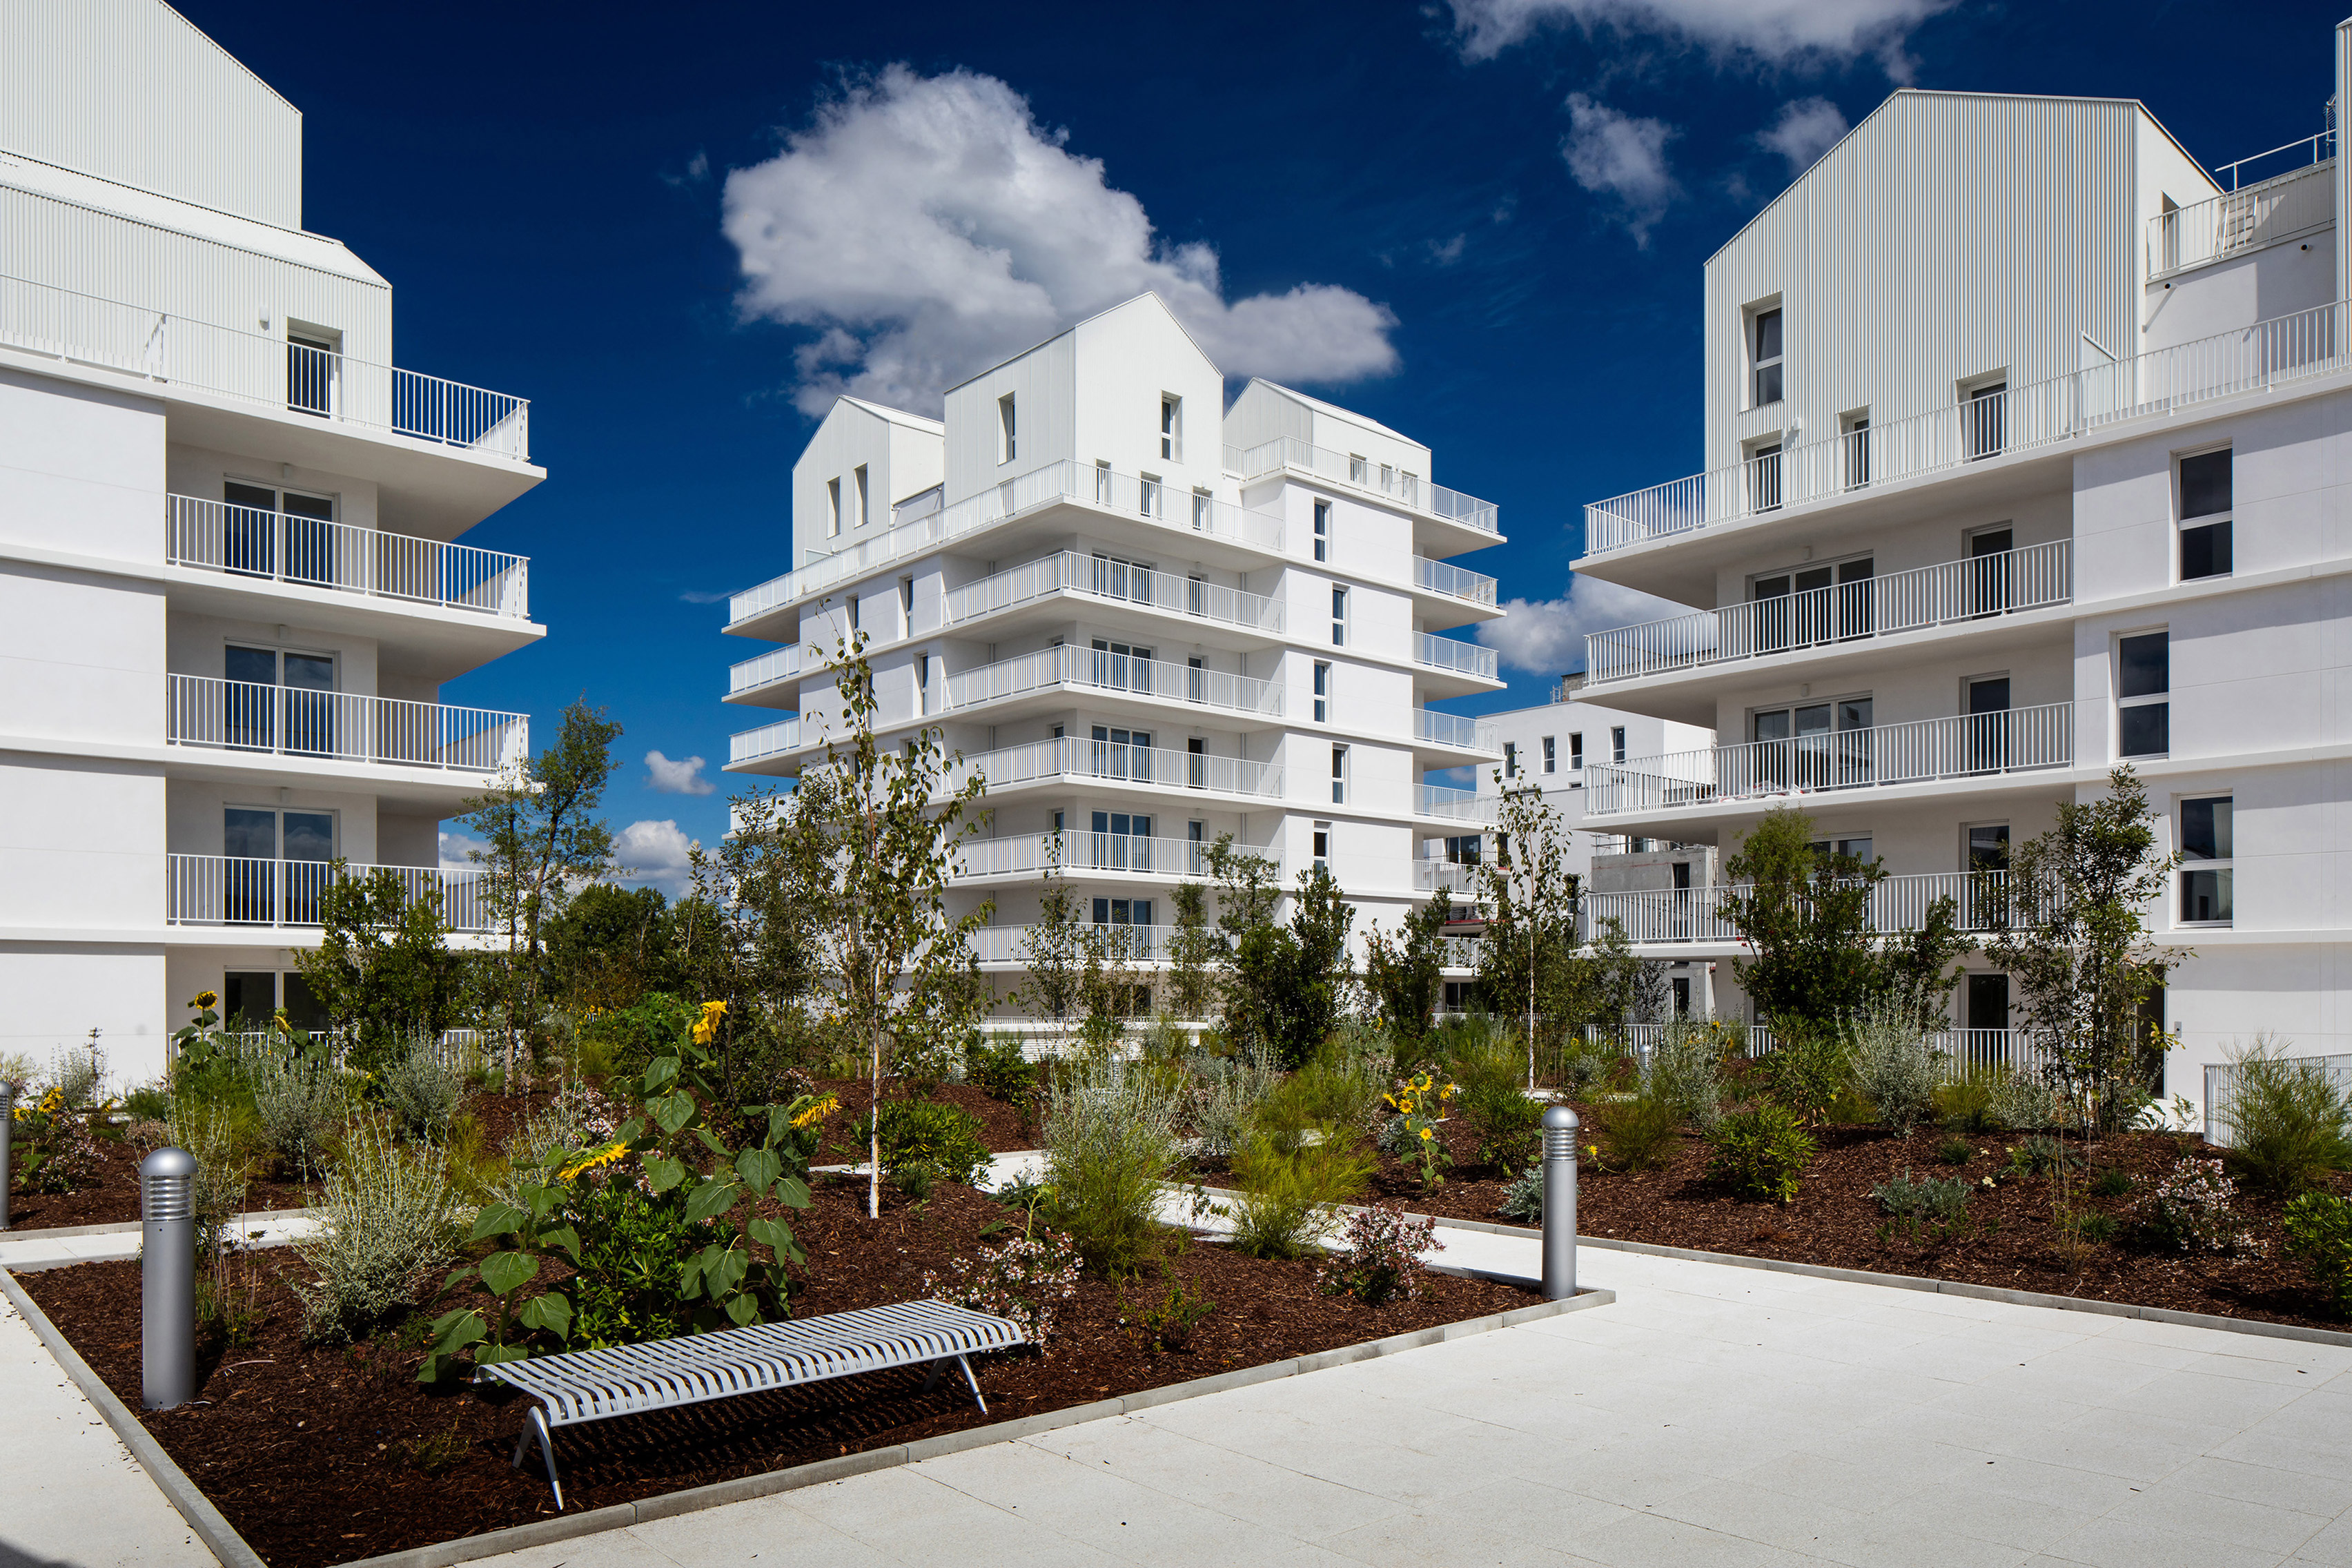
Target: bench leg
(932, 1374)
(534, 1427)
(976, 1399)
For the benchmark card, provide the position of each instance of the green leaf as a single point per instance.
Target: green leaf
(780, 1124)
(673, 1111)
(689, 1274)
(659, 1071)
(727, 1272)
(502, 1271)
(662, 1173)
(564, 1238)
(711, 1142)
(457, 1278)
(549, 1311)
(793, 1192)
(744, 1310)
(775, 1234)
(631, 1130)
(490, 1355)
(759, 1168)
(453, 1331)
(715, 1196)
(498, 1219)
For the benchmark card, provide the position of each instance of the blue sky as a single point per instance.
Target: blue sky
(1497, 210)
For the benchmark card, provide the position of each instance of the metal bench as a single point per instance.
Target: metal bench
(588, 1385)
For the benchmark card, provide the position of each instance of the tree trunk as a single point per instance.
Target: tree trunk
(874, 1133)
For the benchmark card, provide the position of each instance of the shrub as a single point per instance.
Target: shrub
(421, 1094)
(2021, 1102)
(1964, 1106)
(1225, 1091)
(1025, 1280)
(1397, 1137)
(2111, 1182)
(1639, 1132)
(1895, 1066)
(1506, 1120)
(2285, 1119)
(2039, 1155)
(1524, 1198)
(1686, 1071)
(1955, 1151)
(1850, 1107)
(1168, 1325)
(1583, 1066)
(2087, 1225)
(55, 1151)
(1938, 1199)
(1381, 1260)
(1760, 1153)
(1335, 1087)
(929, 1141)
(148, 1102)
(2319, 1232)
(2194, 1210)
(388, 1215)
(1002, 1070)
(629, 1037)
(299, 1101)
(1110, 1137)
(209, 1133)
(1283, 1208)
(1807, 1066)
(632, 1249)
(78, 1076)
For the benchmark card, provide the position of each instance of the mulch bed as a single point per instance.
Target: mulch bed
(2008, 1239)
(113, 1197)
(1003, 1128)
(320, 1455)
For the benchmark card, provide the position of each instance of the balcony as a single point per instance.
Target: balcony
(1447, 877)
(775, 665)
(309, 553)
(1971, 746)
(1444, 577)
(1068, 669)
(1385, 479)
(86, 329)
(1444, 804)
(336, 726)
(221, 890)
(2008, 583)
(2040, 416)
(1455, 730)
(1106, 762)
(1454, 658)
(1032, 854)
(1057, 483)
(767, 740)
(2237, 222)
(1979, 900)
(1109, 582)
(1131, 943)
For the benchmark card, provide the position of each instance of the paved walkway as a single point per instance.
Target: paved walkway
(26, 1249)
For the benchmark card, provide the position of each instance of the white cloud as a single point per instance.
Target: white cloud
(926, 227)
(457, 849)
(654, 854)
(1803, 131)
(1547, 635)
(1770, 32)
(706, 596)
(1613, 153)
(683, 776)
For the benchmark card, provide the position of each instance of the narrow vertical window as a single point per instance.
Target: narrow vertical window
(1322, 692)
(1321, 845)
(2207, 829)
(1360, 472)
(1510, 759)
(1769, 385)
(1617, 743)
(864, 506)
(922, 683)
(1007, 436)
(852, 613)
(1339, 617)
(1339, 776)
(1576, 752)
(1322, 531)
(906, 606)
(1984, 419)
(1171, 428)
(2207, 492)
(1550, 755)
(833, 508)
(2143, 684)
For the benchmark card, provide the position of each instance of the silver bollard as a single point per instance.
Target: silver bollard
(9, 1090)
(167, 1277)
(1559, 1125)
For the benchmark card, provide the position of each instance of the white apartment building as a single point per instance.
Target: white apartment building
(1146, 619)
(229, 590)
(1987, 392)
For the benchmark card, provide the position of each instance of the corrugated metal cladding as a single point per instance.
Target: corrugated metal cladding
(59, 242)
(130, 92)
(1265, 413)
(1045, 387)
(1950, 236)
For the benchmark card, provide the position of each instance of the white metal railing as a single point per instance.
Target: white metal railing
(1431, 652)
(1118, 582)
(1968, 746)
(1444, 578)
(1099, 670)
(86, 329)
(246, 541)
(2220, 1080)
(1444, 877)
(1454, 729)
(1666, 915)
(221, 890)
(1453, 804)
(776, 664)
(1388, 479)
(767, 740)
(1179, 511)
(2239, 221)
(1030, 854)
(1954, 590)
(1458, 951)
(1134, 944)
(1959, 1053)
(244, 716)
(2282, 351)
(2322, 145)
(1073, 757)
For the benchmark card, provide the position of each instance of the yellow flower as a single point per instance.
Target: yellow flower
(1426, 1135)
(819, 1111)
(206, 1000)
(609, 1153)
(706, 1026)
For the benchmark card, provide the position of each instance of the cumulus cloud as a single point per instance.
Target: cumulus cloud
(654, 853)
(1803, 131)
(1547, 635)
(926, 226)
(457, 849)
(683, 776)
(1779, 33)
(1613, 153)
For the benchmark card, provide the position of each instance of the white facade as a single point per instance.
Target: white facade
(228, 590)
(2027, 450)
(1145, 619)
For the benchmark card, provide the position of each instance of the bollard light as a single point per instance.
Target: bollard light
(8, 1089)
(167, 1277)
(1559, 1125)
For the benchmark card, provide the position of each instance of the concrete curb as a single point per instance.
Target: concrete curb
(131, 1227)
(620, 1516)
(203, 1518)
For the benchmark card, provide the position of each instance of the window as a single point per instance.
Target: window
(2206, 492)
(1121, 666)
(1813, 605)
(2143, 681)
(1853, 848)
(1121, 842)
(922, 683)
(1007, 443)
(1988, 847)
(1322, 692)
(274, 865)
(278, 700)
(1360, 472)
(2206, 832)
(1811, 746)
(1204, 516)
(865, 503)
(833, 508)
(1854, 430)
(1122, 754)
(852, 613)
(1576, 752)
(311, 366)
(1764, 476)
(1196, 762)
(269, 533)
(1987, 1010)
(1171, 428)
(1339, 776)
(1321, 845)
(1984, 418)
(1682, 995)
(1322, 531)
(1992, 569)
(1339, 617)
(1102, 482)
(906, 606)
(1768, 387)
(249, 998)
(1617, 743)
(1149, 489)
(1510, 759)
(1551, 755)
(1122, 911)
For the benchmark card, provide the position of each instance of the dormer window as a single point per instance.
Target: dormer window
(1171, 428)
(1007, 443)
(1768, 383)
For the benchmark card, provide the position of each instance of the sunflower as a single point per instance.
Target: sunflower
(824, 1108)
(205, 1000)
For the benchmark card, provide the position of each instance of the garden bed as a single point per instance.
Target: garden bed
(112, 1196)
(1003, 1128)
(321, 1455)
(2008, 1239)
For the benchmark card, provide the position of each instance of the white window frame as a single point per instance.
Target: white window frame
(1575, 751)
(1551, 753)
(2185, 525)
(865, 492)
(1008, 440)
(1171, 428)
(2222, 865)
(1322, 691)
(1339, 615)
(1510, 759)
(1318, 844)
(2147, 699)
(1322, 531)
(1617, 743)
(1341, 768)
(1758, 360)
(832, 508)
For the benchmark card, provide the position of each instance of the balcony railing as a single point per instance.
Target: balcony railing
(1458, 658)
(1979, 901)
(1149, 500)
(86, 329)
(1452, 805)
(1130, 943)
(1098, 670)
(1114, 581)
(1959, 1053)
(767, 740)
(1446, 877)
(2236, 222)
(247, 542)
(1113, 761)
(227, 890)
(2283, 351)
(1453, 730)
(2003, 583)
(1364, 473)
(1030, 854)
(1444, 578)
(1973, 745)
(776, 664)
(243, 716)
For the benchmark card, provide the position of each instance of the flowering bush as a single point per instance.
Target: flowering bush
(1382, 1256)
(1420, 1104)
(1024, 1280)
(54, 1152)
(2194, 1210)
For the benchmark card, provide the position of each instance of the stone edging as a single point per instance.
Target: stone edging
(205, 1519)
(132, 1227)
